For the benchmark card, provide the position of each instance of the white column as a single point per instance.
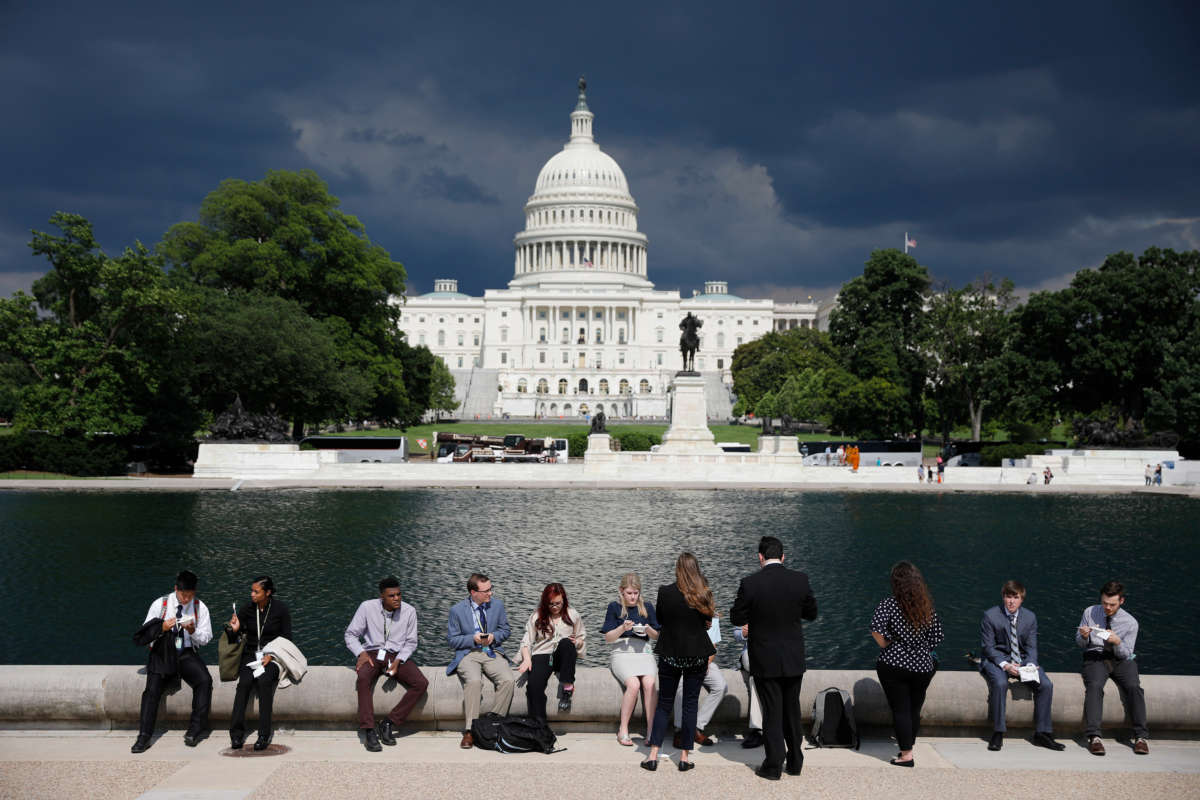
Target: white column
(575, 254)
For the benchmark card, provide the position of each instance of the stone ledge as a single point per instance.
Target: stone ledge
(33, 696)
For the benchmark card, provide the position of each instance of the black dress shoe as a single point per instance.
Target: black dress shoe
(753, 739)
(370, 741)
(193, 739)
(768, 773)
(1046, 740)
(387, 734)
(684, 766)
(912, 762)
(141, 745)
(263, 742)
(235, 743)
(997, 741)
(650, 765)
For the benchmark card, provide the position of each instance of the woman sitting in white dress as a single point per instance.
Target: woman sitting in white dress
(629, 625)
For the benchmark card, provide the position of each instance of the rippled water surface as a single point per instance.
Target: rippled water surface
(81, 568)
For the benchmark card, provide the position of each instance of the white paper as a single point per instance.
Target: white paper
(1029, 674)
(1100, 635)
(714, 632)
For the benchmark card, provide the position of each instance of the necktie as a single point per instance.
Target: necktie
(1108, 625)
(482, 620)
(1014, 644)
(178, 627)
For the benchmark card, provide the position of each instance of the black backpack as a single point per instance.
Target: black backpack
(513, 734)
(833, 719)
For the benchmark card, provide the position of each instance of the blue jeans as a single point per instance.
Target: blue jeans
(668, 684)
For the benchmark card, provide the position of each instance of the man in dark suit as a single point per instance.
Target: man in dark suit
(1008, 639)
(772, 602)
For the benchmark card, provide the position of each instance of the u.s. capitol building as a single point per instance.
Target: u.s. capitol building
(580, 327)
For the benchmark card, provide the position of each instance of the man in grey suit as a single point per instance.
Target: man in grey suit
(1008, 638)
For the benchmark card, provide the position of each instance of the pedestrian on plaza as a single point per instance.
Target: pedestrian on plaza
(477, 627)
(1047, 475)
(772, 603)
(941, 465)
(554, 640)
(1108, 635)
(176, 626)
(715, 689)
(259, 623)
(907, 629)
(630, 624)
(685, 610)
(1158, 475)
(382, 637)
(929, 474)
(920, 473)
(1149, 474)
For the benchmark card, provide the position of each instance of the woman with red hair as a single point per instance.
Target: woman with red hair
(553, 641)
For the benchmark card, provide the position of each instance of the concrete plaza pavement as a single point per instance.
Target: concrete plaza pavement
(333, 764)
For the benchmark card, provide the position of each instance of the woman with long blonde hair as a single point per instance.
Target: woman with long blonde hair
(907, 629)
(685, 610)
(630, 624)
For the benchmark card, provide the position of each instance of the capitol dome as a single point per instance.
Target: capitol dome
(581, 216)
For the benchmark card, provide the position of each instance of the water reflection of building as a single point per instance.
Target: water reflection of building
(580, 327)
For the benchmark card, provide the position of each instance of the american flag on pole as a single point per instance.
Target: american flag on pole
(909, 242)
(587, 262)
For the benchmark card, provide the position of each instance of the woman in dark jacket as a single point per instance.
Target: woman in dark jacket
(907, 629)
(685, 612)
(260, 621)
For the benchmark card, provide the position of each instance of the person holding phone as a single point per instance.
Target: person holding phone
(553, 641)
(630, 624)
(259, 622)
(478, 625)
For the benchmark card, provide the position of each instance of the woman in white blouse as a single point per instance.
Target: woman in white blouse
(553, 641)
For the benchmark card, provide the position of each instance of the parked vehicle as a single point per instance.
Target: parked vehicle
(460, 448)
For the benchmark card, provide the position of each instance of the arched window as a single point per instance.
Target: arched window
(522, 386)
(623, 386)
(566, 409)
(583, 385)
(554, 409)
(644, 386)
(543, 386)
(562, 386)
(604, 386)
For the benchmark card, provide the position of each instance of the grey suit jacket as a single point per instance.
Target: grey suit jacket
(994, 636)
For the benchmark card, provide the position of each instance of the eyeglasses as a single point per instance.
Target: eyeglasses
(555, 603)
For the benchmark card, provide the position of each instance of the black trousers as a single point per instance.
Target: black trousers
(562, 661)
(905, 692)
(783, 731)
(193, 672)
(265, 686)
(1096, 672)
(669, 678)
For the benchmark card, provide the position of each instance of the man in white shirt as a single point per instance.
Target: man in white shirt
(184, 626)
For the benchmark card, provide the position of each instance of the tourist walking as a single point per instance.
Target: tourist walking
(920, 473)
(1047, 475)
(685, 610)
(554, 639)
(478, 626)
(772, 602)
(1158, 475)
(176, 626)
(1149, 474)
(382, 636)
(753, 738)
(1108, 635)
(258, 623)
(941, 468)
(630, 624)
(907, 629)
(1008, 642)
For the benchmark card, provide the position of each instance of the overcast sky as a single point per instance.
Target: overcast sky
(770, 145)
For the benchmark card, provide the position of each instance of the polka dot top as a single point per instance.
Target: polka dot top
(908, 649)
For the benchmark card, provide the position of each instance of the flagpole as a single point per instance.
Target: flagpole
(906, 243)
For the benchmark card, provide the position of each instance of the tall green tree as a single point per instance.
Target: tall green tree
(441, 389)
(91, 335)
(286, 236)
(968, 333)
(878, 327)
(764, 364)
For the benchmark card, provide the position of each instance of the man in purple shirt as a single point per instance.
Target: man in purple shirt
(383, 637)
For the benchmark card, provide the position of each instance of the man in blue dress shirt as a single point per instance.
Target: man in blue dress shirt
(1108, 634)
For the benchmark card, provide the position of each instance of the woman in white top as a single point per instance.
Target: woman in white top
(630, 624)
(553, 641)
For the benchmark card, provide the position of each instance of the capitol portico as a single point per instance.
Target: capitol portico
(580, 327)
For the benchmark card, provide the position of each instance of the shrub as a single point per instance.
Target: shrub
(995, 455)
(70, 456)
(634, 441)
(577, 444)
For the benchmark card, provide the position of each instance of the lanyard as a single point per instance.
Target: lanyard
(386, 618)
(261, 622)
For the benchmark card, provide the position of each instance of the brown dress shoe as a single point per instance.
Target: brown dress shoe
(467, 742)
(701, 739)
(1095, 746)
(677, 741)
(1141, 747)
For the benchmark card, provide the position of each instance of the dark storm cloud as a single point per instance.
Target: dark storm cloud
(769, 144)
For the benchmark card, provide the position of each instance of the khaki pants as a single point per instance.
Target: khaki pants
(471, 670)
(755, 706)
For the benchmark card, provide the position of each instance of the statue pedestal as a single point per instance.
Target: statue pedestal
(599, 443)
(688, 432)
(775, 445)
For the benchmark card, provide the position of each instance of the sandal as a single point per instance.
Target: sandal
(624, 741)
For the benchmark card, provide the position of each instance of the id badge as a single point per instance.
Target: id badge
(178, 642)
(381, 655)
